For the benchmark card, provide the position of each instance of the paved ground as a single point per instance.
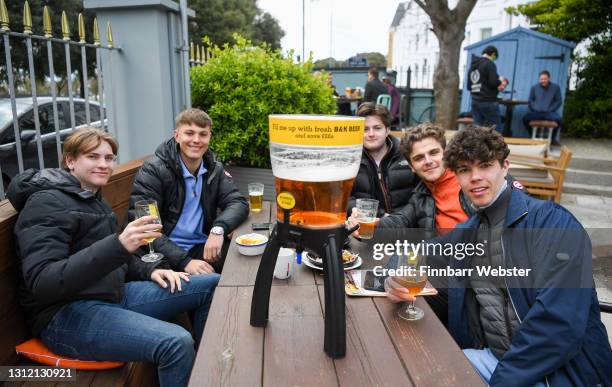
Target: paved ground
(595, 214)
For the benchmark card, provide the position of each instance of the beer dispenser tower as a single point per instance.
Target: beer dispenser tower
(314, 160)
(325, 243)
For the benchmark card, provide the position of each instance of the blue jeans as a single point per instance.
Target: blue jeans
(487, 114)
(546, 116)
(137, 328)
(485, 363)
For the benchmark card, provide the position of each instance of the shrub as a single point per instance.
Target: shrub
(241, 85)
(587, 111)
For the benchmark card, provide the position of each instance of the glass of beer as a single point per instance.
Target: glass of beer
(145, 208)
(413, 280)
(366, 216)
(256, 191)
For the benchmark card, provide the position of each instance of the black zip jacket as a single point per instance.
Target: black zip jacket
(391, 183)
(67, 246)
(161, 179)
(483, 79)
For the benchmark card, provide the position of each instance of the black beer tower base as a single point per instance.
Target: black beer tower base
(326, 243)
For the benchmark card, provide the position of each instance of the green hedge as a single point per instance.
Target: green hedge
(588, 109)
(242, 85)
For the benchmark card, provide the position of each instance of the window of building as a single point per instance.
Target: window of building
(485, 33)
(426, 33)
(416, 42)
(467, 37)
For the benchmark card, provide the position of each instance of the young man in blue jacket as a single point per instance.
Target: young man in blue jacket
(541, 326)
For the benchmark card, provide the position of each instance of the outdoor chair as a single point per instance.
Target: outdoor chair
(384, 99)
(540, 175)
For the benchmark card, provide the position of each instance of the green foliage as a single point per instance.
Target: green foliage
(242, 85)
(374, 59)
(220, 19)
(588, 109)
(573, 20)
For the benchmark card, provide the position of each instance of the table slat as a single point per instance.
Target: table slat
(293, 348)
(231, 350)
(371, 358)
(429, 353)
(241, 270)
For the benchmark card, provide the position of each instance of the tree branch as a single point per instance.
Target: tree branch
(462, 10)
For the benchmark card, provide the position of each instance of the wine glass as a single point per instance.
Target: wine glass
(414, 281)
(145, 208)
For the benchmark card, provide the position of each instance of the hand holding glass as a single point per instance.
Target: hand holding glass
(367, 210)
(413, 281)
(144, 208)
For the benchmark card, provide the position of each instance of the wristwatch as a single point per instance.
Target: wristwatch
(217, 230)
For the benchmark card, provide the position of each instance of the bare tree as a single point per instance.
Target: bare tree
(449, 27)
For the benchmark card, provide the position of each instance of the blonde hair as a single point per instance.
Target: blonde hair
(84, 140)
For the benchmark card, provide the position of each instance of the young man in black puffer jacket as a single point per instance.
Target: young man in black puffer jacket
(384, 173)
(198, 202)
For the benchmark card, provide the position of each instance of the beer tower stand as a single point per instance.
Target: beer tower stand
(324, 242)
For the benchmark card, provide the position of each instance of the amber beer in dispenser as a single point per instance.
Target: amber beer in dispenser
(315, 159)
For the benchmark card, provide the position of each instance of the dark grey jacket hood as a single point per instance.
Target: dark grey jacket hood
(33, 180)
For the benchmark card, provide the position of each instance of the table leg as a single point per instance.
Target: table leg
(508, 122)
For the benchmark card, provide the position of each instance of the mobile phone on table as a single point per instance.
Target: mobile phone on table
(374, 282)
(260, 226)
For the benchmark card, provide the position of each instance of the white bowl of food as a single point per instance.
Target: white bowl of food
(251, 244)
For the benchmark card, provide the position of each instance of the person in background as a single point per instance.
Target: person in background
(374, 87)
(384, 173)
(544, 101)
(484, 83)
(198, 202)
(395, 97)
(82, 289)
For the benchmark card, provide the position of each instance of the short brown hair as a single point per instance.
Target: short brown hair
(475, 143)
(371, 109)
(419, 133)
(193, 116)
(84, 140)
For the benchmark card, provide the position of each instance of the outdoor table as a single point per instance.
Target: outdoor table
(382, 349)
(345, 104)
(509, 104)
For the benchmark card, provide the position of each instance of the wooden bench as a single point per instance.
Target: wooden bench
(13, 328)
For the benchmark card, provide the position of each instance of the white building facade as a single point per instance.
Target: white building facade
(412, 43)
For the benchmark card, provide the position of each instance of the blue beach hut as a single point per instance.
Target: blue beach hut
(523, 53)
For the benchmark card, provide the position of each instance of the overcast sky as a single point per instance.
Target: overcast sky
(357, 25)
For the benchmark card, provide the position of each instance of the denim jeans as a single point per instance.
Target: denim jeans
(137, 328)
(487, 114)
(546, 116)
(485, 363)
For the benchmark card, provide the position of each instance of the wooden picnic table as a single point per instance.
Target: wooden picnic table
(382, 349)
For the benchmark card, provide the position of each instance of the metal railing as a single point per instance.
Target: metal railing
(22, 137)
(199, 55)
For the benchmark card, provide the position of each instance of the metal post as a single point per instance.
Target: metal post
(408, 92)
(100, 85)
(58, 140)
(41, 162)
(9, 73)
(85, 84)
(185, 49)
(303, 30)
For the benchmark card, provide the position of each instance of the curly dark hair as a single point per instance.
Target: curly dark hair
(372, 109)
(420, 132)
(475, 143)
